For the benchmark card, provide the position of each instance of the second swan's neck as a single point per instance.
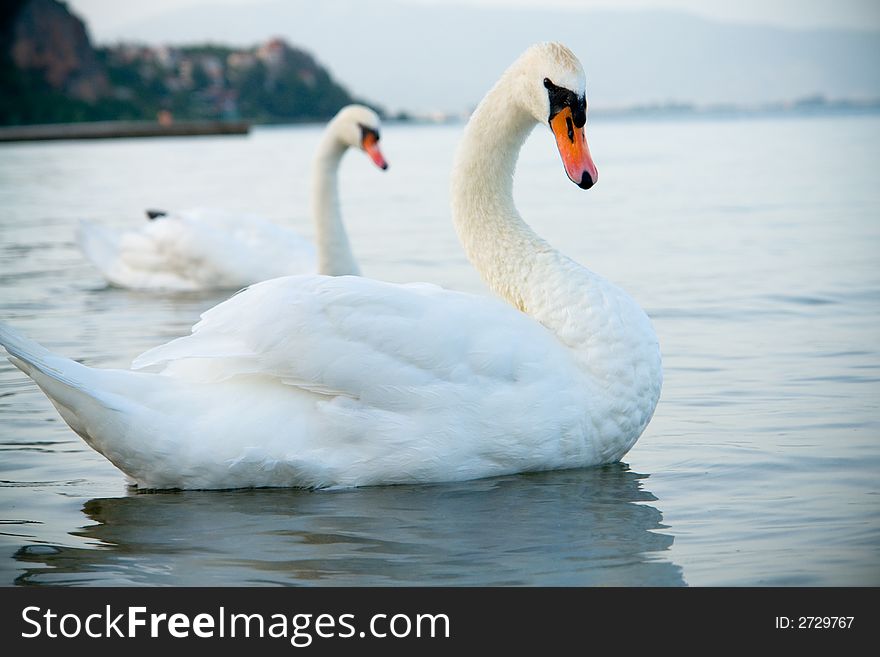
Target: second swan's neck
(334, 251)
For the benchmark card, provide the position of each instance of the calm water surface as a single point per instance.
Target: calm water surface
(752, 244)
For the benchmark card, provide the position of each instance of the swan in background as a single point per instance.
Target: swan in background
(199, 250)
(320, 381)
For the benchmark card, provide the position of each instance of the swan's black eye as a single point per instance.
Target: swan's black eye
(548, 84)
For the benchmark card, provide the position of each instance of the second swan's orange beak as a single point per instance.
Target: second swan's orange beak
(572, 144)
(371, 146)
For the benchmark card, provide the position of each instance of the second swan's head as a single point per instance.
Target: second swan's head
(357, 126)
(555, 94)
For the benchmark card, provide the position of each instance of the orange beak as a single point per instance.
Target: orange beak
(371, 146)
(572, 144)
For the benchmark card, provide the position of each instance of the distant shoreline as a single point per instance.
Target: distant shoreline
(804, 107)
(811, 106)
(137, 129)
(120, 130)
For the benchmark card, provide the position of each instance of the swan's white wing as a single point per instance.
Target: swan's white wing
(389, 346)
(374, 382)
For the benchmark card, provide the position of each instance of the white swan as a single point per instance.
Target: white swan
(199, 250)
(319, 381)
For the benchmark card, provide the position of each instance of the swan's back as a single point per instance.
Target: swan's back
(196, 250)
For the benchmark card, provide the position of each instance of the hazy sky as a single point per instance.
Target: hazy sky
(108, 19)
(702, 51)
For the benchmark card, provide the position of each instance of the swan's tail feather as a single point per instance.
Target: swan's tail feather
(28, 356)
(73, 388)
(104, 406)
(99, 244)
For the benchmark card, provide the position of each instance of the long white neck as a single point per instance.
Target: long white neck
(334, 252)
(605, 330)
(500, 245)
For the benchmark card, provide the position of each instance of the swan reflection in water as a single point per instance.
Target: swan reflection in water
(587, 527)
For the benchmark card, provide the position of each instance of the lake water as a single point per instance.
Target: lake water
(753, 244)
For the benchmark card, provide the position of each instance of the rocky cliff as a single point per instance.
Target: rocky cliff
(50, 72)
(44, 38)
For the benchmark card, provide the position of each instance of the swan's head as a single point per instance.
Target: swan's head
(555, 93)
(357, 126)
